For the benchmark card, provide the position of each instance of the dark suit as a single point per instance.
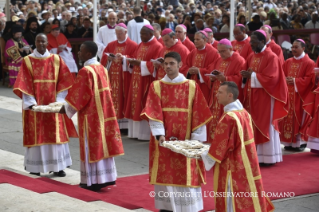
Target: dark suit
(170, 25)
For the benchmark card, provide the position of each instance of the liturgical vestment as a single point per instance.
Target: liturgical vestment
(231, 68)
(266, 99)
(242, 47)
(236, 168)
(119, 80)
(100, 137)
(176, 109)
(302, 70)
(189, 44)
(138, 128)
(44, 79)
(202, 59)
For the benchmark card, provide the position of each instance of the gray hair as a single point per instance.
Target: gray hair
(120, 28)
(157, 26)
(203, 36)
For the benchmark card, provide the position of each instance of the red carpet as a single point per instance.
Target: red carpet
(295, 174)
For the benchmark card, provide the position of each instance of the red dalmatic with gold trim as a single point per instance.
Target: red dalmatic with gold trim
(90, 96)
(275, 48)
(119, 80)
(140, 84)
(43, 79)
(231, 68)
(242, 47)
(303, 72)
(257, 101)
(202, 59)
(182, 109)
(234, 151)
(180, 49)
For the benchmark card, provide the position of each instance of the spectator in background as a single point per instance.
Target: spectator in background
(31, 31)
(313, 23)
(226, 23)
(86, 31)
(45, 28)
(210, 24)
(171, 23)
(70, 31)
(284, 22)
(296, 24)
(199, 25)
(305, 17)
(255, 24)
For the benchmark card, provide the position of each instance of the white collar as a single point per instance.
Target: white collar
(123, 40)
(151, 39)
(202, 48)
(236, 105)
(184, 39)
(262, 49)
(91, 61)
(158, 37)
(301, 56)
(246, 36)
(39, 55)
(179, 78)
(268, 42)
(213, 41)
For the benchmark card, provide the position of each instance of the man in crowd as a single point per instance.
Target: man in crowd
(58, 44)
(275, 48)
(90, 97)
(31, 31)
(43, 79)
(134, 26)
(148, 50)
(175, 96)
(16, 48)
(241, 42)
(199, 60)
(157, 33)
(299, 72)
(211, 39)
(86, 31)
(226, 68)
(119, 79)
(233, 146)
(181, 34)
(265, 97)
(106, 34)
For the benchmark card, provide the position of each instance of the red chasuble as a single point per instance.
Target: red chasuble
(44, 78)
(55, 42)
(140, 84)
(311, 107)
(182, 109)
(257, 101)
(234, 151)
(275, 48)
(215, 44)
(160, 40)
(189, 44)
(202, 59)
(90, 96)
(303, 72)
(242, 47)
(119, 80)
(180, 49)
(231, 68)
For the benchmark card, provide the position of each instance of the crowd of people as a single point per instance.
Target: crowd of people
(145, 75)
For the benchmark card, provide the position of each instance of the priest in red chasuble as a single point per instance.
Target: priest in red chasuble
(100, 137)
(227, 68)
(275, 48)
(181, 34)
(265, 97)
(234, 157)
(211, 40)
(241, 42)
(176, 109)
(149, 49)
(199, 60)
(119, 80)
(171, 44)
(158, 32)
(43, 79)
(300, 77)
(59, 44)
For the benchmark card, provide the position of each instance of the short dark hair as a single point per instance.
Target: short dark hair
(174, 55)
(91, 47)
(259, 36)
(303, 45)
(231, 88)
(137, 10)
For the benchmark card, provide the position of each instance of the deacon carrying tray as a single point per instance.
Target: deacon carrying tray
(54, 107)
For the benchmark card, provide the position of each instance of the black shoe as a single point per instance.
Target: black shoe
(301, 148)
(165, 211)
(289, 148)
(59, 174)
(33, 173)
(266, 164)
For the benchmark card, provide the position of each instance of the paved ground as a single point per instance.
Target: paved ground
(135, 160)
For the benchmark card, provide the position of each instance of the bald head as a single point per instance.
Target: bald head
(112, 18)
